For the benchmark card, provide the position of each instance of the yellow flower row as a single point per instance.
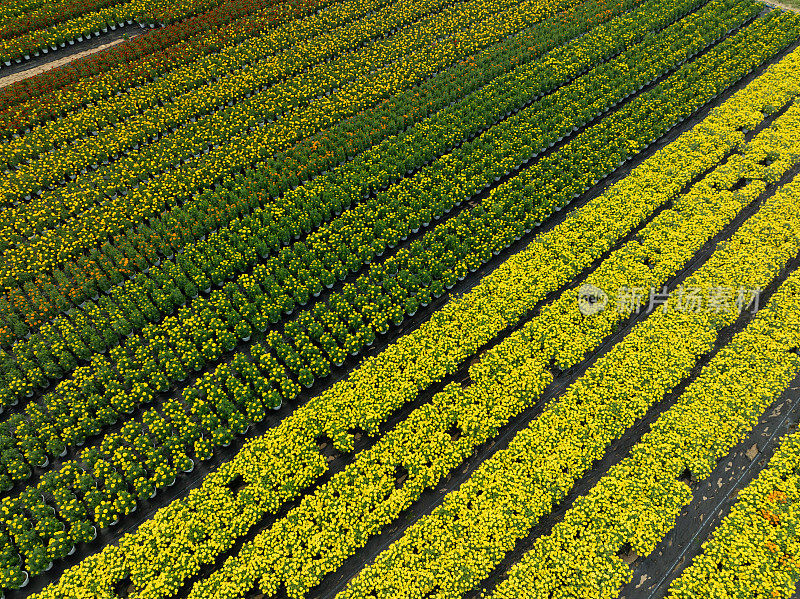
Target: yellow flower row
(278, 466)
(317, 536)
(637, 502)
(753, 552)
(73, 29)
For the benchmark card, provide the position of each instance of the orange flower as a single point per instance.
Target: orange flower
(777, 497)
(771, 546)
(771, 517)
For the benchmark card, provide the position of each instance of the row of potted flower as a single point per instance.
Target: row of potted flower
(223, 250)
(181, 230)
(207, 502)
(49, 14)
(128, 311)
(18, 298)
(636, 503)
(33, 43)
(54, 26)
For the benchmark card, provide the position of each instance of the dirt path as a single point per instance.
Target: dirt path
(59, 58)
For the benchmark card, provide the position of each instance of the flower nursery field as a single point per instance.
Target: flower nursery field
(415, 299)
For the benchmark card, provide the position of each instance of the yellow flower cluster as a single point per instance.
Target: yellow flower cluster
(317, 536)
(672, 236)
(166, 570)
(17, 9)
(637, 502)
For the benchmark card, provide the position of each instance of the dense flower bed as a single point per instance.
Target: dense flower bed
(634, 503)
(265, 189)
(199, 116)
(273, 480)
(232, 208)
